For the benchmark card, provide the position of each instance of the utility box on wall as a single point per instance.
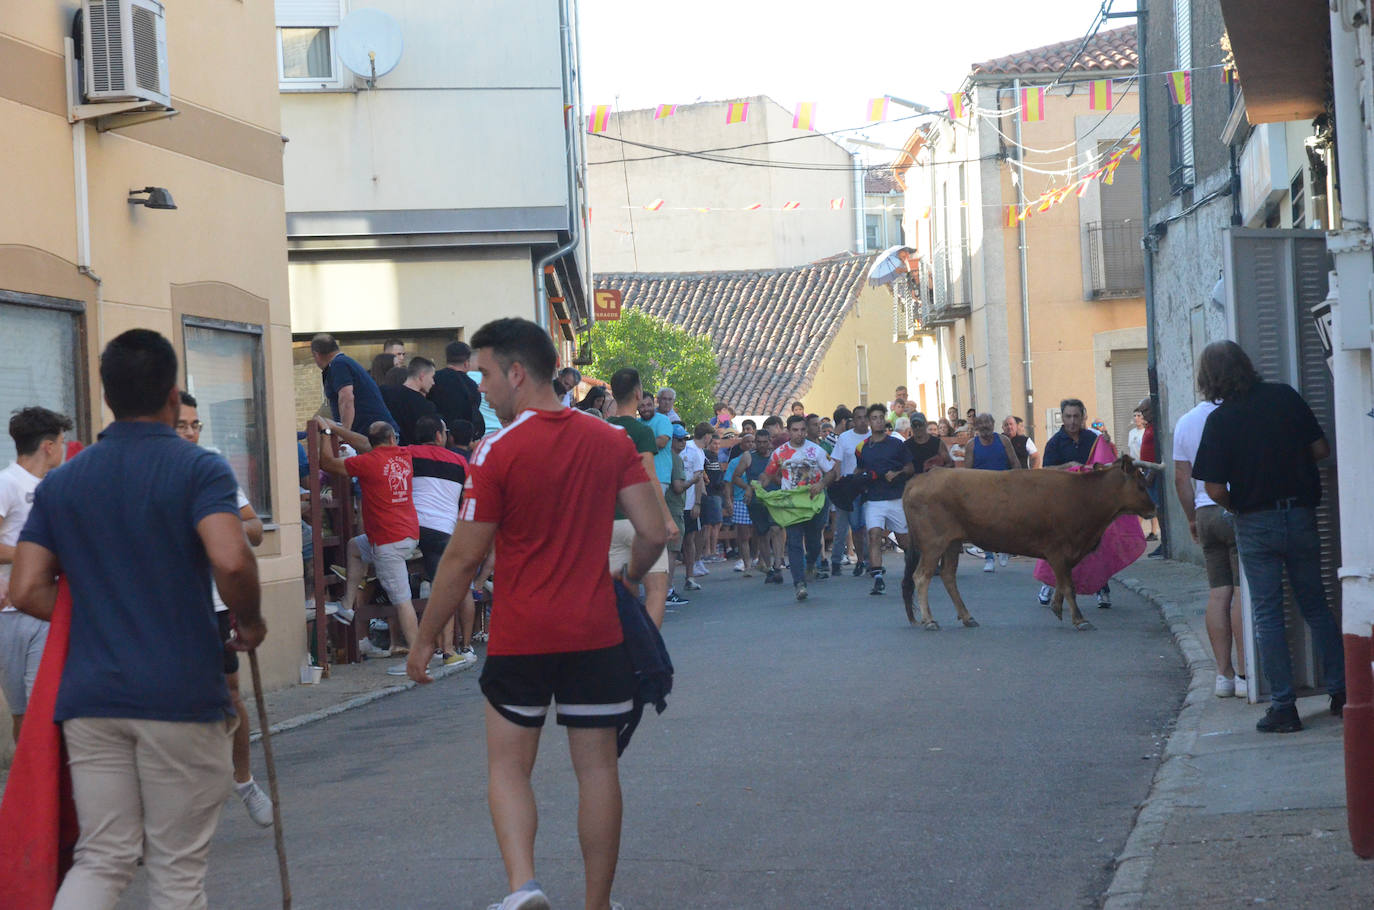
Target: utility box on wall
(1274, 280)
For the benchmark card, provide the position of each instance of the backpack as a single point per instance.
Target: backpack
(653, 668)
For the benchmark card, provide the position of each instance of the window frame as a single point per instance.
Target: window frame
(81, 418)
(338, 79)
(259, 366)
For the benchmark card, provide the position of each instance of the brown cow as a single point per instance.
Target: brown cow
(1058, 516)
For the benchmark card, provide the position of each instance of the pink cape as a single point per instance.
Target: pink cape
(1122, 542)
(38, 818)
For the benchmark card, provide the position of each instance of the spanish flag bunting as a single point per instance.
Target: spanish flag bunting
(789, 206)
(837, 203)
(1117, 155)
(1046, 200)
(665, 110)
(1181, 86)
(1083, 186)
(805, 116)
(877, 109)
(1010, 220)
(1135, 151)
(957, 104)
(737, 112)
(654, 206)
(1026, 212)
(596, 120)
(1100, 95)
(1227, 75)
(704, 209)
(1032, 105)
(925, 213)
(753, 208)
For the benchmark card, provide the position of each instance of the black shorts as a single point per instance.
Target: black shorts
(231, 657)
(759, 515)
(592, 688)
(432, 544)
(690, 525)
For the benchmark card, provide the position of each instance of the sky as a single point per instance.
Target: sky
(837, 53)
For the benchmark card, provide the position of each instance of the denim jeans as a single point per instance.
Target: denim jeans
(796, 559)
(1270, 541)
(815, 535)
(845, 522)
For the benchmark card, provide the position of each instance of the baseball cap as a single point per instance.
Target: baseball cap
(679, 432)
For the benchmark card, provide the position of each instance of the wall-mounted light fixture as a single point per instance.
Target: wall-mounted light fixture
(153, 197)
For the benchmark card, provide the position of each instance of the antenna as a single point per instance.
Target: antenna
(370, 43)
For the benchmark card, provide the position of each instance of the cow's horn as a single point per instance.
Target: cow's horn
(1149, 465)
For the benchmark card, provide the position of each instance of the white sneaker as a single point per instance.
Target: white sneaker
(1046, 592)
(529, 897)
(971, 550)
(343, 615)
(739, 565)
(989, 565)
(397, 669)
(1242, 688)
(257, 803)
(1002, 559)
(1225, 687)
(700, 569)
(367, 649)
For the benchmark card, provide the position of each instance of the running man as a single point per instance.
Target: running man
(887, 458)
(556, 635)
(795, 464)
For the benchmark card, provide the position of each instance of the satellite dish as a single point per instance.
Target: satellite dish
(369, 43)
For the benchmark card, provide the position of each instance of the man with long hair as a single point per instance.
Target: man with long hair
(1258, 459)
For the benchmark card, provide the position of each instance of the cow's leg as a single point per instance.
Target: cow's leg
(913, 558)
(948, 568)
(1064, 591)
(925, 571)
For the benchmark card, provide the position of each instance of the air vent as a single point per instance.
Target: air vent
(125, 51)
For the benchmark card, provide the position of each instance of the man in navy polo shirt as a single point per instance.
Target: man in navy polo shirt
(354, 398)
(143, 705)
(1072, 446)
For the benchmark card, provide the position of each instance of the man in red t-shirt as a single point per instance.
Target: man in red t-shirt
(391, 529)
(555, 630)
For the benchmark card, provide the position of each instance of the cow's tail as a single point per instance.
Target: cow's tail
(912, 557)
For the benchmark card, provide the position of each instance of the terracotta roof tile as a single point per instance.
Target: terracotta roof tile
(1108, 50)
(769, 329)
(881, 180)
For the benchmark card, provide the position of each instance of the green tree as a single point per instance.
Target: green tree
(664, 354)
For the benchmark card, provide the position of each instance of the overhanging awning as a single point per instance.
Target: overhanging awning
(1283, 56)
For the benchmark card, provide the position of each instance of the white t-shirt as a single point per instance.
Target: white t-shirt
(220, 605)
(800, 466)
(693, 461)
(16, 499)
(844, 453)
(1187, 438)
(1133, 441)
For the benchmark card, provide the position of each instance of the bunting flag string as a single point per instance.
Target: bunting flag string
(1181, 86)
(790, 206)
(737, 112)
(837, 203)
(665, 110)
(1100, 95)
(1010, 219)
(597, 119)
(1032, 104)
(877, 109)
(957, 103)
(805, 116)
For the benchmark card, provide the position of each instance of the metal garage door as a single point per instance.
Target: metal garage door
(1130, 383)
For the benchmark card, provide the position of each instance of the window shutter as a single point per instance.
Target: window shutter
(1130, 383)
(306, 13)
(1183, 40)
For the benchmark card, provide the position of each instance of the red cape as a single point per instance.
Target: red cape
(37, 817)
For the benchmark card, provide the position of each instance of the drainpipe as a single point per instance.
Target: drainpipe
(541, 292)
(860, 204)
(1350, 246)
(1021, 257)
(81, 187)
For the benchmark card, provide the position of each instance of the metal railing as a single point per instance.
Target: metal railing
(1116, 260)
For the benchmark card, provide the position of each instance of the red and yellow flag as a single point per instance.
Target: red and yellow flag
(1110, 177)
(737, 112)
(1135, 151)
(654, 206)
(837, 203)
(958, 103)
(665, 110)
(1083, 186)
(1100, 95)
(877, 109)
(789, 206)
(1181, 86)
(804, 118)
(754, 207)
(597, 119)
(1032, 105)
(1010, 219)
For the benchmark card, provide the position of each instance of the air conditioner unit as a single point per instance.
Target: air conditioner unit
(124, 51)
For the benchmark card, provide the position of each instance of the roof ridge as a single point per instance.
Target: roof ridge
(779, 270)
(1113, 43)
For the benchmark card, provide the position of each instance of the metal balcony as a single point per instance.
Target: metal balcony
(1116, 260)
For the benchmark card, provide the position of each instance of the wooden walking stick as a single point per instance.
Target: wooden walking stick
(271, 780)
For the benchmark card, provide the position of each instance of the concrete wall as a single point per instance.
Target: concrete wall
(677, 238)
(221, 254)
(869, 323)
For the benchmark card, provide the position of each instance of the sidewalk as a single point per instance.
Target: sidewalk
(1235, 817)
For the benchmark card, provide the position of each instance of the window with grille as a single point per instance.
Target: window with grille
(1181, 115)
(42, 360)
(224, 371)
(963, 354)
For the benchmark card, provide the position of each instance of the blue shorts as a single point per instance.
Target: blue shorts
(710, 510)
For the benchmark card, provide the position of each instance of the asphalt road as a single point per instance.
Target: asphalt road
(813, 755)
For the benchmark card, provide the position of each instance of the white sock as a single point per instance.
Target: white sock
(242, 788)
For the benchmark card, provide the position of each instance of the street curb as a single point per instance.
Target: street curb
(367, 698)
(1176, 775)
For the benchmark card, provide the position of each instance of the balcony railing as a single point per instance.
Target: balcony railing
(907, 308)
(952, 299)
(1115, 259)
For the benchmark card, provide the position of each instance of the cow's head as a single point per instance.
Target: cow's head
(1128, 480)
